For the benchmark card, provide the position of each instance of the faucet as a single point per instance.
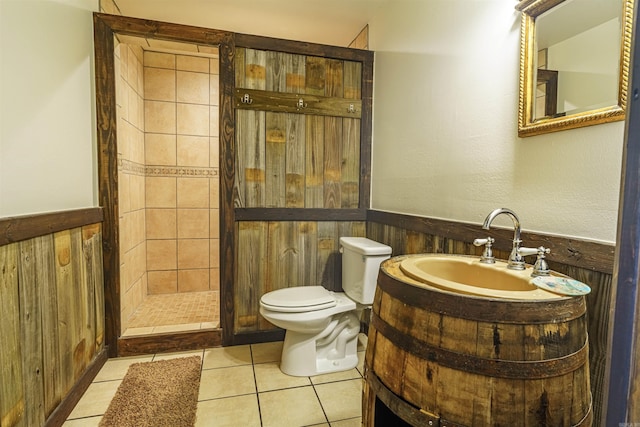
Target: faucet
(516, 259)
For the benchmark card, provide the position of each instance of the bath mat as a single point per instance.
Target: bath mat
(158, 394)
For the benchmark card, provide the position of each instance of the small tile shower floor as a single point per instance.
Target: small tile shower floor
(175, 312)
(243, 386)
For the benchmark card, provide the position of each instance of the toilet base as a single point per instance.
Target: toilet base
(333, 350)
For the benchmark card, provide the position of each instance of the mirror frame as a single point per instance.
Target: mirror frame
(531, 9)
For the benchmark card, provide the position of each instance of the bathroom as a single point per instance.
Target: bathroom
(457, 138)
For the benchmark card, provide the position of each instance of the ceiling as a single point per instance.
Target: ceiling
(332, 22)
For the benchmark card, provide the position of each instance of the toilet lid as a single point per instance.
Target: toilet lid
(299, 298)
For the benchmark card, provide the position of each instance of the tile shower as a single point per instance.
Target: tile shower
(168, 188)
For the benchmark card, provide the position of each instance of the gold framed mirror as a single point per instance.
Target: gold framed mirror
(574, 63)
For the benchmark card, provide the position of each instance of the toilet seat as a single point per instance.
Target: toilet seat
(298, 299)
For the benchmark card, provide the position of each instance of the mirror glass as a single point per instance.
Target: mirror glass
(574, 63)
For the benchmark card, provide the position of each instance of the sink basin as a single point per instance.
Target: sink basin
(467, 275)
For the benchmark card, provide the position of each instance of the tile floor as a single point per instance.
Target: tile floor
(164, 313)
(242, 386)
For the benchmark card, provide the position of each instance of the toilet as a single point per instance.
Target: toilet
(322, 326)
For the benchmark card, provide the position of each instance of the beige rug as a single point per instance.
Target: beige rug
(158, 394)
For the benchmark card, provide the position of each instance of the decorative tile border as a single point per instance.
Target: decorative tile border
(181, 171)
(127, 166)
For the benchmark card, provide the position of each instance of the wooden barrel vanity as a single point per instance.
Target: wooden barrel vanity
(438, 358)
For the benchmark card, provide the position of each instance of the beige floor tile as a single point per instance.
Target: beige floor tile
(336, 376)
(351, 422)
(270, 377)
(266, 352)
(226, 382)
(229, 412)
(177, 355)
(95, 400)
(115, 369)
(223, 357)
(83, 422)
(341, 400)
(292, 407)
(360, 366)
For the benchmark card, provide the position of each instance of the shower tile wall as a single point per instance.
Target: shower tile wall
(181, 158)
(131, 178)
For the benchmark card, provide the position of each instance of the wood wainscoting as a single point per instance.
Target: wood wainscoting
(52, 328)
(588, 262)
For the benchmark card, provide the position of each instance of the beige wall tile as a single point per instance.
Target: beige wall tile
(160, 117)
(214, 90)
(159, 84)
(161, 255)
(132, 69)
(136, 192)
(192, 63)
(214, 192)
(159, 60)
(124, 198)
(192, 119)
(214, 66)
(193, 280)
(133, 112)
(214, 279)
(214, 152)
(193, 150)
(160, 149)
(193, 253)
(214, 253)
(162, 282)
(214, 120)
(192, 87)
(160, 192)
(193, 192)
(161, 223)
(193, 223)
(214, 224)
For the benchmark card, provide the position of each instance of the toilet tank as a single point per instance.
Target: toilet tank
(361, 259)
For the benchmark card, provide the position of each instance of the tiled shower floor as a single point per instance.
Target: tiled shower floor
(175, 312)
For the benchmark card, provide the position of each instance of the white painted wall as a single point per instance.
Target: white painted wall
(47, 106)
(445, 139)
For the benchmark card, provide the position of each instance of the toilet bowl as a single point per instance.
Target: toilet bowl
(322, 326)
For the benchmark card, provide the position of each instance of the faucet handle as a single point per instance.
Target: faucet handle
(541, 268)
(487, 255)
(527, 251)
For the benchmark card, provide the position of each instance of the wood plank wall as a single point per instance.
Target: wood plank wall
(52, 326)
(592, 265)
(302, 166)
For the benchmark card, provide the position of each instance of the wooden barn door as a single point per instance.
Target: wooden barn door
(302, 171)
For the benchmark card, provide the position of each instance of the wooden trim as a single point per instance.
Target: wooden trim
(366, 134)
(621, 403)
(299, 214)
(227, 177)
(177, 341)
(258, 337)
(18, 228)
(106, 112)
(64, 408)
(104, 28)
(574, 252)
(162, 30)
(264, 100)
(302, 48)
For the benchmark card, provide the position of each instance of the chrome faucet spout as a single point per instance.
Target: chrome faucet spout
(516, 260)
